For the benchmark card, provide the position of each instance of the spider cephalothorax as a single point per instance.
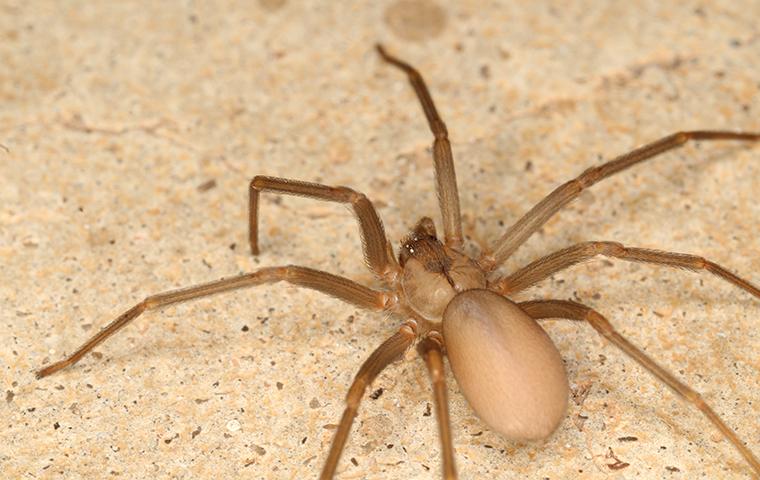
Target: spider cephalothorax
(433, 272)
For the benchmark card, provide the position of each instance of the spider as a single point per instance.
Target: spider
(452, 305)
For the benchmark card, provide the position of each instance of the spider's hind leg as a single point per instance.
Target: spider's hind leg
(570, 310)
(388, 352)
(548, 265)
(431, 351)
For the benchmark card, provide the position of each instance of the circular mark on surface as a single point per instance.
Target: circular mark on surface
(272, 5)
(415, 20)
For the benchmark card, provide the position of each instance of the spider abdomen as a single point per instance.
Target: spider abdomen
(509, 370)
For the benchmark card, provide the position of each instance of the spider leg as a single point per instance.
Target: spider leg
(432, 352)
(378, 252)
(562, 195)
(339, 287)
(388, 352)
(539, 309)
(445, 176)
(561, 259)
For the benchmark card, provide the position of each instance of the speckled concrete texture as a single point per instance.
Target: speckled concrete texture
(129, 132)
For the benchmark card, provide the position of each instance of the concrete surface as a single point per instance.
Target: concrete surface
(129, 131)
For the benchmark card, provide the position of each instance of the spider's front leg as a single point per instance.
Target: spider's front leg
(445, 176)
(521, 230)
(339, 287)
(378, 251)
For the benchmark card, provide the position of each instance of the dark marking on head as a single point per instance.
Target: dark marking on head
(423, 245)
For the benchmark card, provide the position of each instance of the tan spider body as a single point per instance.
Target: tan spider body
(453, 305)
(492, 345)
(506, 365)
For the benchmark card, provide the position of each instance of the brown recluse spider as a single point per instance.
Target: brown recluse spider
(452, 305)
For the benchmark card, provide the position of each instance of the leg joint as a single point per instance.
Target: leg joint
(682, 137)
(151, 302)
(440, 132)
(609, 248)
(390, 300)
(694, 397)
(577, 185)
(258, 182)
(355, 393)
(600, 324)
(352, 195)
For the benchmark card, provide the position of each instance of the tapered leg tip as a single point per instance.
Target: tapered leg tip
(50, 369)
(253, 242)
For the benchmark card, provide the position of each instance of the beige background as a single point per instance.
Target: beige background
(115, 116)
